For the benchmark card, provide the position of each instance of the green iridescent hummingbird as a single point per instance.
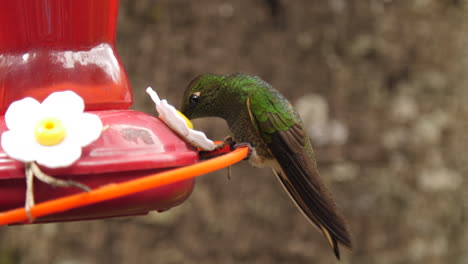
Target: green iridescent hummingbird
(258, 114)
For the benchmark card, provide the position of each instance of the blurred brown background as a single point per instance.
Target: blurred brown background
(381, 86)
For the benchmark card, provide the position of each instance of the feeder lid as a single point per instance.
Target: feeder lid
(130, 141)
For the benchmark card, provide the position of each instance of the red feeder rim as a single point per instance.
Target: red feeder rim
(112, 191)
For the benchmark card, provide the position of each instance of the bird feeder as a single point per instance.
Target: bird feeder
(137, 165)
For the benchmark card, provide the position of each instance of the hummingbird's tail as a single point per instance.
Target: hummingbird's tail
(333, 226)
(316, 204)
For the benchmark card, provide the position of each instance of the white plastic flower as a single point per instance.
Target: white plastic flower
(52, 133)
(179, 123)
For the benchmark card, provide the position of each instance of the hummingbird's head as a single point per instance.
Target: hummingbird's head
(202, 96)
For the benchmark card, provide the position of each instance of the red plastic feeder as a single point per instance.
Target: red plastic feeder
(55, 45)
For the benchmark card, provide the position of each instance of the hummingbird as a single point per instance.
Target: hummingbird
(259, 115)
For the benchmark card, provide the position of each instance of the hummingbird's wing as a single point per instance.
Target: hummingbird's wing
(282, 131)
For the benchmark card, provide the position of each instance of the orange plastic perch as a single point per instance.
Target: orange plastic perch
(112, 191)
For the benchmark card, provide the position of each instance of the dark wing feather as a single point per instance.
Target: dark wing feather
(290, 146)
(300, 177)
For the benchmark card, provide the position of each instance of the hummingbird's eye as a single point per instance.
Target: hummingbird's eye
(193, 100)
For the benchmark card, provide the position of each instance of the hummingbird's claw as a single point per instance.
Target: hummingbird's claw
(235, 145)
(226, 146)
(229, 140)
(220, 149)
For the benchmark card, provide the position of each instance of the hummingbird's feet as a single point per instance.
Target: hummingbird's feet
(232, 146)
(31, 170)
(235, 145)
(228, 141)
(220, 149)
(224, 147)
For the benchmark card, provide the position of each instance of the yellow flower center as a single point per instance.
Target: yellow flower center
(49, 131)
(189, 123)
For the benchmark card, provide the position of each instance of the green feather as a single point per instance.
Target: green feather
(271, 114)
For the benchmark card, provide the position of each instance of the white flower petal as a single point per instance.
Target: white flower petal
(63, 103)
(169, 113)
(199, 139)
(177, 123)
(22, 114)
(154, 96)
(19, 146)
(62, 155)
(84, 129)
